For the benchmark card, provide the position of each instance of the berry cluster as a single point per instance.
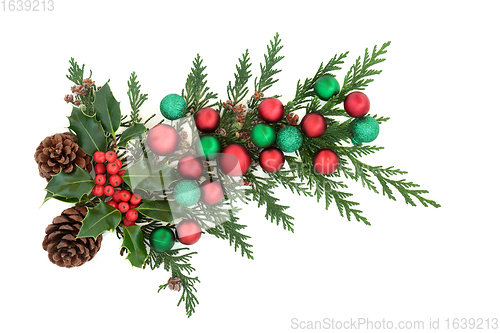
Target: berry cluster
(107, 164)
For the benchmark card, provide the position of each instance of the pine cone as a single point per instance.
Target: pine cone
(60, 151)
(65, 250)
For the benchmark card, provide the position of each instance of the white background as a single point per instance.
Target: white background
(439, 86)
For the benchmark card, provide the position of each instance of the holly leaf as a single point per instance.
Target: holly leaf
(147, 176)
(133, 241)
(107, 109)
(88, 130)
(50, 195)
(156, 209)
(71, 185)
(99, 219)
(130, 133)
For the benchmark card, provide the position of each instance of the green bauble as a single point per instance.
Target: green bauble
(162, 239)
(187, 193)
(289, 139)
(364, 129)
(263, 135)
(208, 146)
(173, 107)
(326, 86)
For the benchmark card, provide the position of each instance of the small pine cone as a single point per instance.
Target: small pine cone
(73, 89)
(60, 151)
(78, 102)
(68, 98)
(221, 131)
(183, 135)
(239, 108)
(88, 83)
(240, 117)
(64, 249)
(258, 95)
(174, 283)
(292, 118)
(228, 105)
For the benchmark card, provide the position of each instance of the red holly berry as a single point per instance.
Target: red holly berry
(121, 172)
(110, 156)
(100, 168)
(119, 163)
(124, 195)
(132, 206)
(128, 223)
(109, 190)
(100, 179)
(132, 215)
(112, 168)
(115, 180)
(113, 204)
(116, 198)
(123, 207)
(98, 190)
(135, 199)
(99, 157)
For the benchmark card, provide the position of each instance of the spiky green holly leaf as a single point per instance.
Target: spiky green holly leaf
(146, 175)
(156, 209)
(107, 109)
(99, 219)
(71, 185)
(50, 195)
(133, 241)
(88, 130)
(130, 133)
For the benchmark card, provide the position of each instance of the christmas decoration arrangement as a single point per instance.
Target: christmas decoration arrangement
(161, 186)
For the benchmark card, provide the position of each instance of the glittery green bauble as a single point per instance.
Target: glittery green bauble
(162, 239)
(173, 106)
(208, 146)
(263, 135)
(364, 129)
(326, 86)
(187, 193)
(289, 139)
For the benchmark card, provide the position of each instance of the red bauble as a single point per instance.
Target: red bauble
(271, 110)
(313, 125)
(271, 159)
(163, 139)
(207, 120)
(190, 167)
(188, 231)
(356, 104)
(325, 161)
(234, 160)
(211, 192)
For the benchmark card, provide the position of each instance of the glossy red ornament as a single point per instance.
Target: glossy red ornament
(163, 139)
(188, 231)
(313, 125)
(211, 192)
(356, 104)
(234, 160)
(207, 120)
(190, 167)
(325, 161)
(271, 159)
(100, 168)
(271, 110)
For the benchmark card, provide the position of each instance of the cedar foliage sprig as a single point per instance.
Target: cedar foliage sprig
(135, 97)
(196, 92)
(76, 74)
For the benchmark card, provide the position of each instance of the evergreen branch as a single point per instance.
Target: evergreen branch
(76, 73)
(196, 93)
(267, 69)
(135, 97)
(263, 194)
(237, 92)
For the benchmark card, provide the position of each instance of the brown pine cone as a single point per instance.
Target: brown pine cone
(60, 151)
(65, 250)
